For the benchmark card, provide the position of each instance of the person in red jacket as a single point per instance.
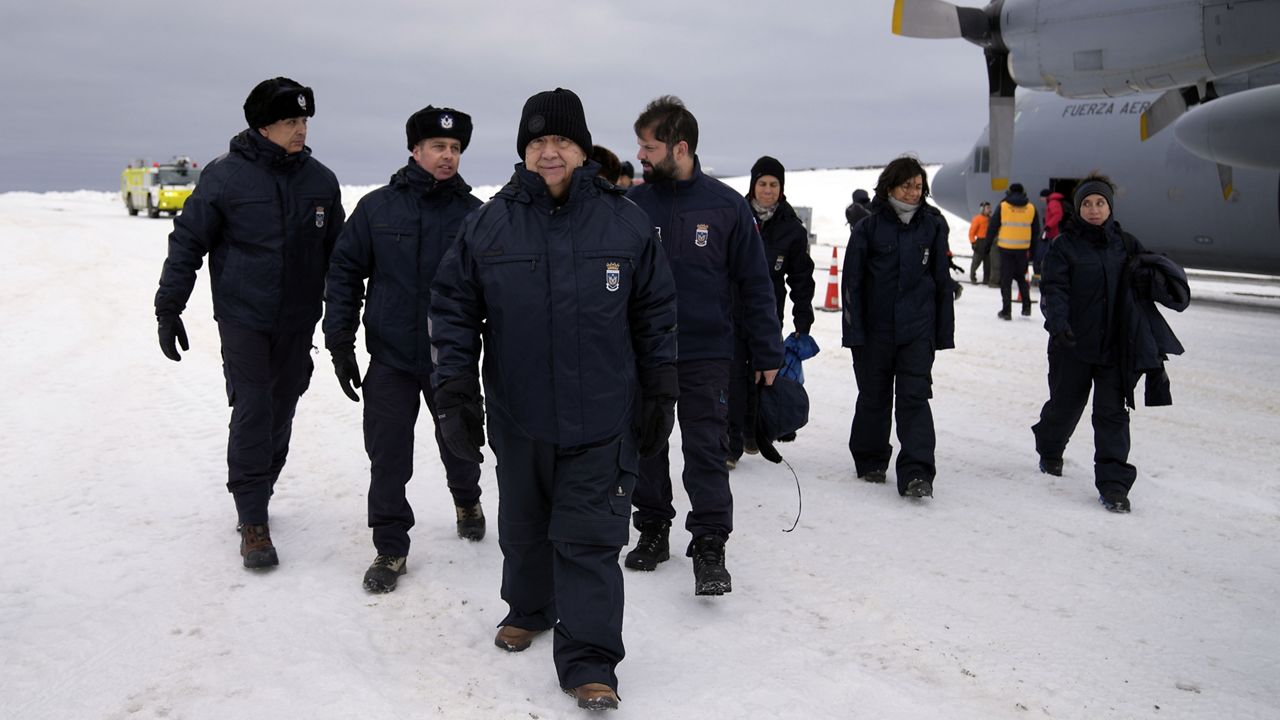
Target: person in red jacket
(1053, 215)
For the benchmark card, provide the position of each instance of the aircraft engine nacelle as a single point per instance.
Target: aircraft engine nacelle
(1238, 130)
(1121, 47)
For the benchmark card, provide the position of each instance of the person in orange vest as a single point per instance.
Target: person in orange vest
(979, 244)
(1011, 227)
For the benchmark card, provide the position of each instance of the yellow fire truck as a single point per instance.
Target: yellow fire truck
(158, 187)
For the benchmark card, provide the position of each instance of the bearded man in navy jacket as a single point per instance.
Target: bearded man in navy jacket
(715, 250)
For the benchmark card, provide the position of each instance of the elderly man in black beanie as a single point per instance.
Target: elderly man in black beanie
(267, 214)
(564, 284)
(395, 240)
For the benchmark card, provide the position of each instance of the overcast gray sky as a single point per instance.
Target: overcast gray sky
(89, 85)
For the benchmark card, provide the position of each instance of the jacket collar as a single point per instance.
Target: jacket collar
(413, 177)
(528, 187)
(250, 144)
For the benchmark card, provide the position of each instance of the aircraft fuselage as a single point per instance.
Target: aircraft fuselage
(1168, 198)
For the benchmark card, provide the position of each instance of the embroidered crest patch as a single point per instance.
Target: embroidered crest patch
(701, 234)
(302, 101)
(612, 276)
(446, 122)
(319, 216)
(777, 264)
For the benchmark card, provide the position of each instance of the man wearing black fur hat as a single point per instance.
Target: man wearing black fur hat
(562, 281)
(395, 239)
(267, 214)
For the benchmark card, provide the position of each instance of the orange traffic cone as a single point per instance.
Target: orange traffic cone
(832, 303)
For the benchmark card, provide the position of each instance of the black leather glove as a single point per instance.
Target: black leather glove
(1065, 339)
(171, 329)
(951, 264)
(660, 387)
(460, 414)
(956, 290)
(347, 370)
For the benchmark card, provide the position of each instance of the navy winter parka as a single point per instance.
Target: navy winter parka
(1080, 288)
(395, 238)
(1086, 285)
(710, 238)
(896, 284)
(572, 303)
(268, 222)
(786, 250)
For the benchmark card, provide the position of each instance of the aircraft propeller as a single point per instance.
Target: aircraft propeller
(938, 19)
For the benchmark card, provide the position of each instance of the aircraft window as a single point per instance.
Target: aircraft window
(982, 159)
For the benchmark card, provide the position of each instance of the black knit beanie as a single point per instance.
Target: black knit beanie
(432, 122)
(553, 112)
(767, 166)
(1093, 187)
(278, 99)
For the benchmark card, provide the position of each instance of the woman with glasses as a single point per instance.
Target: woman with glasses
(898, 310)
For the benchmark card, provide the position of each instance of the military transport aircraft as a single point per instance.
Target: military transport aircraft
(1208, 192)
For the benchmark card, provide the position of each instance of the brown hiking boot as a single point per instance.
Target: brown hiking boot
(515, 639)
(470, 522)
(256, 547)
(594, 696)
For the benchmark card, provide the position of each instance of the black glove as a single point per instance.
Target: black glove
(659, 388)
(171, 329)
(951, 263)
(460, 415)
(956, 290)
(348, 372)
(1065, 339)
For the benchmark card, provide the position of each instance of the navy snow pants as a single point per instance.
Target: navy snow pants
(390, 413)
(703, 414)
(266, 373)
(562, 522)
(1013, 268)
(1069, 382)
(894, 378)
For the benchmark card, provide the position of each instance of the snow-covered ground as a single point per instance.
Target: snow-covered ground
(1011, 594)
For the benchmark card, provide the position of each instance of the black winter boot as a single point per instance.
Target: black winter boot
(653, 547)
(382, 574)
(470, 521)
(709, 574)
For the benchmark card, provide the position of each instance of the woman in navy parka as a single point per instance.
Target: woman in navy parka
(898, 310)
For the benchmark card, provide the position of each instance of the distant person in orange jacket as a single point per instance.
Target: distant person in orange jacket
(978, 243)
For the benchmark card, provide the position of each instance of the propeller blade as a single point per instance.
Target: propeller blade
(1000, 135)
(1163, 112)
(1000, 106)
(936, 19)
(931, 19)
(1224, 180)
